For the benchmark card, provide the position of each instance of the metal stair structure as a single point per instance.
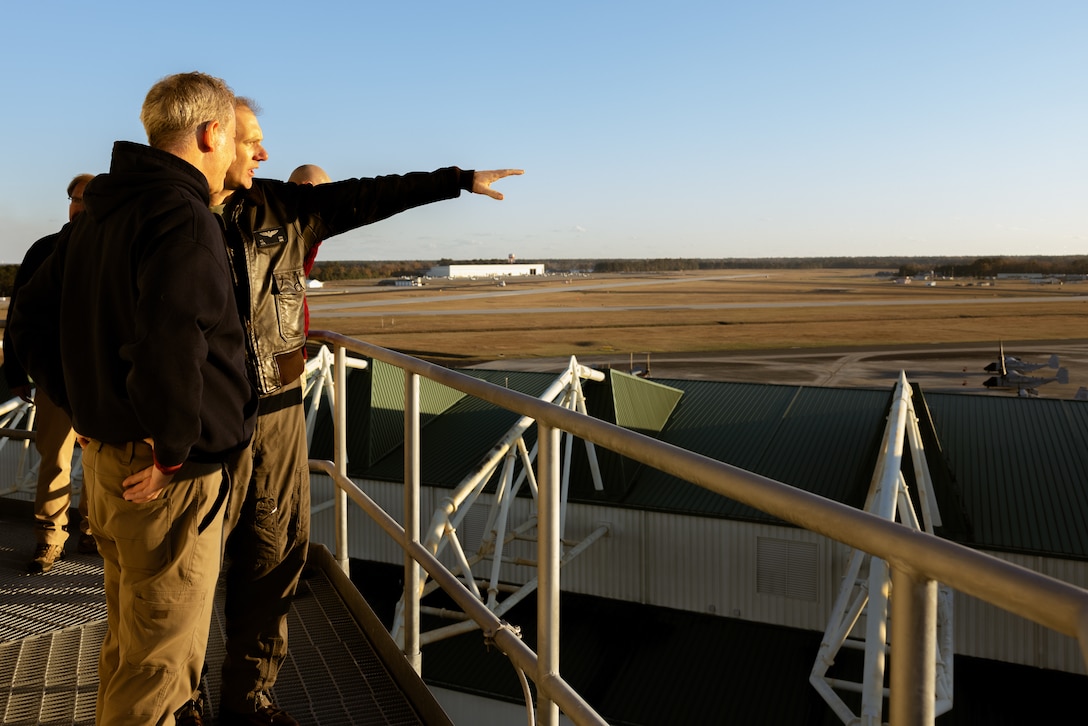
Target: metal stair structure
(342, 668)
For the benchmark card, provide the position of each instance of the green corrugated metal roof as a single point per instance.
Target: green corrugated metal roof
(387, 406)
(822, 440)
(1010, 473)
(1022, 468)
(455, 442)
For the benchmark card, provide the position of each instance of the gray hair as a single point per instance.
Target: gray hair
(177, 105)
(247, 102)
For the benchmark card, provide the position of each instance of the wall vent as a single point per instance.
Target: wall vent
(787, 568)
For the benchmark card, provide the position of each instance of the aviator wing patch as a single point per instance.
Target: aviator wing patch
(270, 237)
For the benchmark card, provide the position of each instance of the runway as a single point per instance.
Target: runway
(434, 304)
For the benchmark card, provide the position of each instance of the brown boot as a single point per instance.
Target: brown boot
(87, 544)
(44, 557)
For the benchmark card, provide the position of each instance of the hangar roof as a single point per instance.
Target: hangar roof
(1010, 474)
(1021, 465)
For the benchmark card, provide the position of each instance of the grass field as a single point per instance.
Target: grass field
(458, 321)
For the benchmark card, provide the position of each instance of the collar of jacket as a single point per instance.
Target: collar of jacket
(253, 197)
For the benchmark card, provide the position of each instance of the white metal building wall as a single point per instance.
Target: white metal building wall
(500, 270)
(986, 631)
(710, 566)
(689, 563)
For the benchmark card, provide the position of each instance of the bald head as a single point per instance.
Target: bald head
(309, 174)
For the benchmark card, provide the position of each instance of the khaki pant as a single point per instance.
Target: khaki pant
(268, 531)
(161, 562)
(55, 442)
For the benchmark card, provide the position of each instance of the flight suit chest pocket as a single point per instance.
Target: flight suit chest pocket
(290, 294)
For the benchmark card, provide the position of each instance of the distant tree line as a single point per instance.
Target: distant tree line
(358, 270)
(669, 264)
(993, 266)
(370, 270)
(950, 266)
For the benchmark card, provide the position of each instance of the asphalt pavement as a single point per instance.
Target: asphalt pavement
(944, 368)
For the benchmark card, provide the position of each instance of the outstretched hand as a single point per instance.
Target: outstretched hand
(482, 181)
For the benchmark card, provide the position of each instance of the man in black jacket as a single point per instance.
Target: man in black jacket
(132, 326)
(272, 227)
(54, 438)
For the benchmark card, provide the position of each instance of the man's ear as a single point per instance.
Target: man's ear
(207, 134)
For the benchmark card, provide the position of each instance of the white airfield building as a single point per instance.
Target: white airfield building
(499, 270)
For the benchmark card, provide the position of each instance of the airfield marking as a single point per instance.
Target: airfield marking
(351, 309)
(534, 291)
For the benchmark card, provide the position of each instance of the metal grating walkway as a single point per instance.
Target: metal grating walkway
(342, 667)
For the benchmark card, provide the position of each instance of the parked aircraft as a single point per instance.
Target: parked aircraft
(1025, 385)
(1012, 363)
(1013, 372)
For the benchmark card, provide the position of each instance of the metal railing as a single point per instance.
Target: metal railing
(918, 561)
(17, 411)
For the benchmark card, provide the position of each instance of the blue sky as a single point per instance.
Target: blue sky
(683, 129)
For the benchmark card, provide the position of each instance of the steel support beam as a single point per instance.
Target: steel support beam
(548, 549)
(913, 674)
(340, 455)
(412, 576)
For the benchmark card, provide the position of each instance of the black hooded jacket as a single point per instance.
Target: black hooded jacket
(37, 254)
(131, 325)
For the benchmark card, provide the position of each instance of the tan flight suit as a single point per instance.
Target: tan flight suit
(55, 442)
